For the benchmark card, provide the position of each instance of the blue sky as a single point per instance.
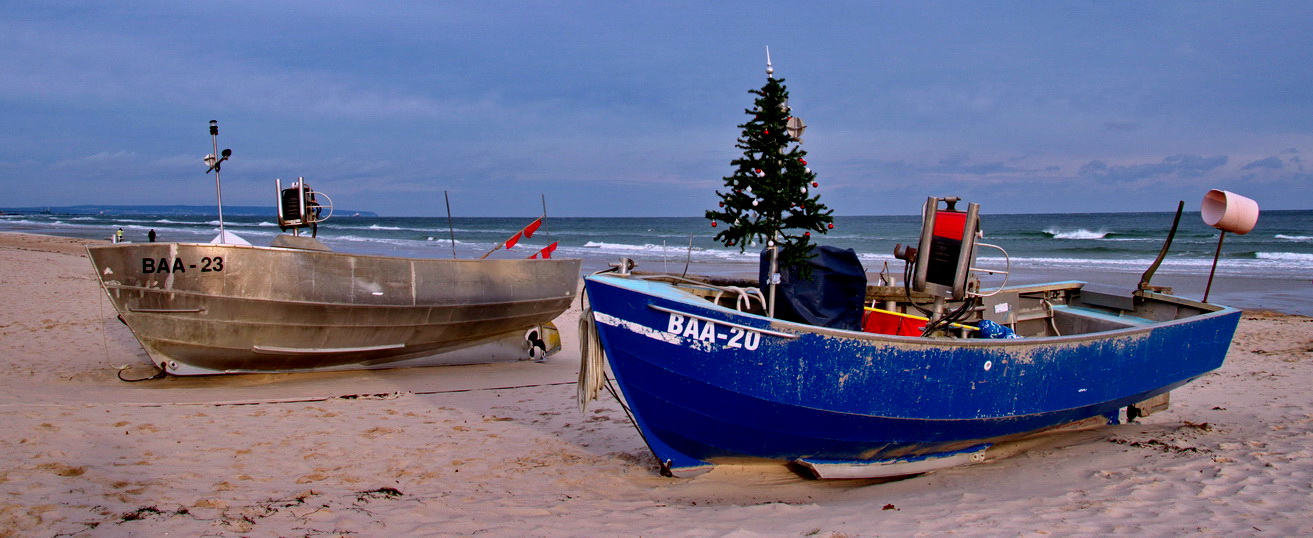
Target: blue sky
(629, 109)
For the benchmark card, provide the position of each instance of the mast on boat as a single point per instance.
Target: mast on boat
(214, 164)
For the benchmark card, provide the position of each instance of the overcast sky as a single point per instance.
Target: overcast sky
(631, 109)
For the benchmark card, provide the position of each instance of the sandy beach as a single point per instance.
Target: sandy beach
(503, 449)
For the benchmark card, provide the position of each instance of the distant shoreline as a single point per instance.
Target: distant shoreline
(160, 210)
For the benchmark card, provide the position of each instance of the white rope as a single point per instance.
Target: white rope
(592, 361)
(104, 338)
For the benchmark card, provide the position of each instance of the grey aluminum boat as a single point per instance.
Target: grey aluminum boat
(223, 308)
(230, 307)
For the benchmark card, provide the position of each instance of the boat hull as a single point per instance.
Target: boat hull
(706, 382)
(215, 308)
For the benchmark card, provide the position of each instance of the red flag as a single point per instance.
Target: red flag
(533, 227)
(513, 240)
(546, 251)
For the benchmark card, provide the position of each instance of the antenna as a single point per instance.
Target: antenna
(544, 197)
(214, 164)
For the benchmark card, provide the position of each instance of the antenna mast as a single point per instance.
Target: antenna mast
(215, 160)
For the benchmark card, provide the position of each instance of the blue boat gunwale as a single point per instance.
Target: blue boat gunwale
(909, 353)
(673, 292)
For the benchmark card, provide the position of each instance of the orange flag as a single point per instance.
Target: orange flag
(513, 240)
(533, 227)
(546, 251)
(526, 232)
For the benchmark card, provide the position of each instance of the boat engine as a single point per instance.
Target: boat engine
(299, 206)
(942, 262)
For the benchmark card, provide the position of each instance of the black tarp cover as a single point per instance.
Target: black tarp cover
(833, 296)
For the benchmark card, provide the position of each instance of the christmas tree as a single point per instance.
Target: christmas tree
(772, 196)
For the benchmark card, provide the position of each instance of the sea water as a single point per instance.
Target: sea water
(1270, 267)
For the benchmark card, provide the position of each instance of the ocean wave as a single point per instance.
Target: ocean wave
(1100, 249)
(444, 240)
(383, 228)
(1071, 262)
(1285, 256)
(1264, 264)
(1302, 238)
(114, 220)
(594, 249)
(649, 247)
(368, 239)
(1081, 233)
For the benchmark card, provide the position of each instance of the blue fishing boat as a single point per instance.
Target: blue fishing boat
(812, 366)
(710, 377)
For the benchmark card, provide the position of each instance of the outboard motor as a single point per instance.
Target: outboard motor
(947, 249)
(942, 264)
(299, 207)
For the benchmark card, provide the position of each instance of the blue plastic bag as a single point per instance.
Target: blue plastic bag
(989, 329)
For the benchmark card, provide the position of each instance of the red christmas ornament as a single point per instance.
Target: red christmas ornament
(831, 226)
(804, 162)
(815, 184)
(807, 234)
(713, 224)
(722, 204)
(767, 131)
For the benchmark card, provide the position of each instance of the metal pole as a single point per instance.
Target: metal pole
(1216, 255)
(450, 229)
(771, 277)
(1148, 274)
(218, 192)
(544, 197)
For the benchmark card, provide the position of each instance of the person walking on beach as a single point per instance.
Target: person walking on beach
(118, 236)
(151, 235)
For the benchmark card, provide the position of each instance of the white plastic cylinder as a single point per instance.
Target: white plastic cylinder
(1229, 212)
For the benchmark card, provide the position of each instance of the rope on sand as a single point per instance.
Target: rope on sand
(159, 374)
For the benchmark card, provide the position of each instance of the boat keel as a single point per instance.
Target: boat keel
(896, 467)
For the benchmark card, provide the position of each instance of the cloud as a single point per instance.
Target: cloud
(1270, 162)
(56, 64)
(1182, 166)
(961, 164)
(634, 111)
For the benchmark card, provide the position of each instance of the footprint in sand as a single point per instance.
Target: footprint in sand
(62, 469)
